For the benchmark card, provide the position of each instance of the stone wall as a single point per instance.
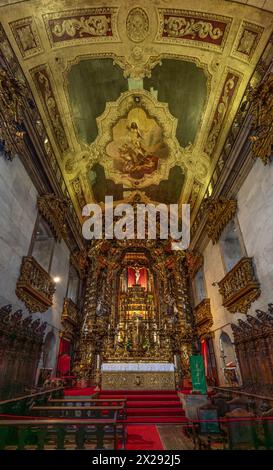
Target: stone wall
(255, 217)
(18, 213)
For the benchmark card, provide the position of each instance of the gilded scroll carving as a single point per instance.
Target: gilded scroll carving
(221, 111)
(193, 26)
(80, 25)
(42, 81)
(203, 318)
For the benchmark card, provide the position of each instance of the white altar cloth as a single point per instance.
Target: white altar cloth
(137, 367)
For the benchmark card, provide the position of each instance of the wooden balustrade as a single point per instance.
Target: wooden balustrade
(34, 287)
(21, 405)
(239, 288)
(84, 412)
(58, 433)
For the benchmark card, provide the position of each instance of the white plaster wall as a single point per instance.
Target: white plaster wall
(18, 212)
(255, 216)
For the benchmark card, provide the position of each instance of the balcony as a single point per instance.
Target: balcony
(239, 288)
(70, 318)
(203, 317)
(34, 287)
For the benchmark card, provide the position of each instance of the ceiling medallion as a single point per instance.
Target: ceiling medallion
(137, 24)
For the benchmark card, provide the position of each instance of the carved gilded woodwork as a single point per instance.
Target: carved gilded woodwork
(54, 210)
(262, 111)
(69, 319)
(34, 287)
(88, 25)
(220, 212)
(138, 380)
(78, 259)
(12, 94)
(201, 29)
(194, 262)
(203, 318)
(240, 287)
(66, 36)
(223, 106)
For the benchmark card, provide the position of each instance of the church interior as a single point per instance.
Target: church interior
(126, 343)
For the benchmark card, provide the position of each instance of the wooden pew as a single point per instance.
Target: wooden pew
(21, 433)
(86, 412)
(79, 411)
(83, 401)
(21, 405)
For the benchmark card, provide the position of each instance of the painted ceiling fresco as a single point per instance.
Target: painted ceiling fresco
(136, 96)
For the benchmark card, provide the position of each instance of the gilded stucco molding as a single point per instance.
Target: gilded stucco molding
(26, 35)
(137, 24)
(43, 82)
(222, 109)
(247, 40)
(81, 25)
(197, 28)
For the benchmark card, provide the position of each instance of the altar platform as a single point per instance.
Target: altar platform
(137, 376)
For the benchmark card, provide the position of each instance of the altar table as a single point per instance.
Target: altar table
(138, 376)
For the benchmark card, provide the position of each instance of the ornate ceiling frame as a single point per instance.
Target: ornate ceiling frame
(227, 58)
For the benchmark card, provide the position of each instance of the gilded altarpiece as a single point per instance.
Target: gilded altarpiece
(136, 311)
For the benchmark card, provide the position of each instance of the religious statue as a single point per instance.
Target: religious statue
(137, 275)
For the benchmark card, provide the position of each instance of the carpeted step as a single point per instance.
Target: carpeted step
(133, 392)
(155, 412)
(153, 403)
(138, 397)
(157, 419)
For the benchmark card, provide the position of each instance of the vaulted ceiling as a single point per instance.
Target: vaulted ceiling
(137, 95)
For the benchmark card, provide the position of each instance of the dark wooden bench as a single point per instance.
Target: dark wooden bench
(21, 405)
(86, 412)
(36, 433)
(98, 412)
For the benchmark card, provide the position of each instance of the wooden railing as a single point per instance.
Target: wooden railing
(239, 288)
(35, 287)
(255, 402)
(54, 433)
(21, 405)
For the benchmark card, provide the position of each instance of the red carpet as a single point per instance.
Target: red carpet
(143, 438)
(79, 392)
(150, 406)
